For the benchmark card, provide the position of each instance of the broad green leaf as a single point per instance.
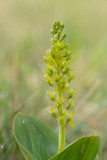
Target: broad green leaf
(36, 140)
(85, 148)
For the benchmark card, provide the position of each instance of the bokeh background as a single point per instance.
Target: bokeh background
(24, 38)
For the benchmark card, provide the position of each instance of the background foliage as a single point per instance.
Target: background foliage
(24, 37)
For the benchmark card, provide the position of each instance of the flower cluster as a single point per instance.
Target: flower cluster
(58, 74)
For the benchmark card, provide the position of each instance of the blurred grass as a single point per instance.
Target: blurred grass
(24, 38)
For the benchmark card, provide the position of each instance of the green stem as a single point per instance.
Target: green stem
(61, 131)
(61, 121)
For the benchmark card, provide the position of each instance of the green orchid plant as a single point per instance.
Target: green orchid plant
(36, 140)
(58, 75)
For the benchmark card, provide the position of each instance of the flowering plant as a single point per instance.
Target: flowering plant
(38, 141)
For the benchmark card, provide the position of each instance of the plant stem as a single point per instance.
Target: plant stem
(61, 131)
(61, 121)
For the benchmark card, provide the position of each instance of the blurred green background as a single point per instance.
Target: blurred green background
(24, 38)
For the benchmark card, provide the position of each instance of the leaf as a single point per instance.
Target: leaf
(85, 148)
(36, 140)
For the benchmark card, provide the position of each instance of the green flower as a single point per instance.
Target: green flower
(58, 74)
